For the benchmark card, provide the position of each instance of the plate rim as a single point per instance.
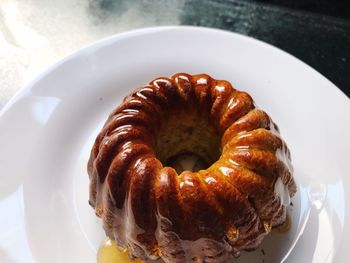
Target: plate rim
(146, 30)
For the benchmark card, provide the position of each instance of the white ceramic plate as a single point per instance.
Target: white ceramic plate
(47, 130)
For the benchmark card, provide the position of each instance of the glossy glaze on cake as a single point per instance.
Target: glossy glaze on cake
(203, 216)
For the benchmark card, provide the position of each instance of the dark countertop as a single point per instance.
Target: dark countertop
(36, 34)
(320, 40)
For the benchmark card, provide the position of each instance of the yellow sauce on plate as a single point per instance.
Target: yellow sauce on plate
(285, 227)
(110, 253)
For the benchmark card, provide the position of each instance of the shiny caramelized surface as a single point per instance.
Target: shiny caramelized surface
(207, 215)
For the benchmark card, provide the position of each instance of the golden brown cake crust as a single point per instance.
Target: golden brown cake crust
(203, 216)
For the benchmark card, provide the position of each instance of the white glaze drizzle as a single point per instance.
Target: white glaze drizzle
(282, 191)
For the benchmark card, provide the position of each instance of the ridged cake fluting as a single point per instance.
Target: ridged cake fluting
(203, 216)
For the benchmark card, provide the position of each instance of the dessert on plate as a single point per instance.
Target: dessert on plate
(156, 203)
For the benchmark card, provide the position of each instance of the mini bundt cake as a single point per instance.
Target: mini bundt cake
(196, 216)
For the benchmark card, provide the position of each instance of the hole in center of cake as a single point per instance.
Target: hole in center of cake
(187, 143)
(186, 162)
